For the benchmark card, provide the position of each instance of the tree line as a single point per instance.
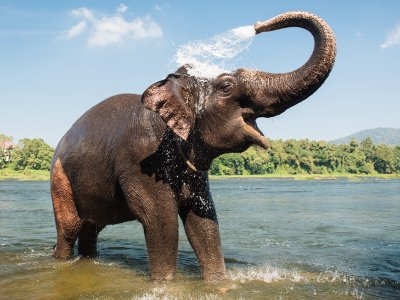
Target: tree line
(311, 157)
(31, 154)
(283, 157)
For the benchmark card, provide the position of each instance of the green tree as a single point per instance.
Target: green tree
(397, 158)
(369, 149)
(322, 155)
(235, 162)
(278, 156)
(385, 159)
(298, 157)
(349, 158)
(257, 161)
(228, 164)
(216, 167)
(32, 154)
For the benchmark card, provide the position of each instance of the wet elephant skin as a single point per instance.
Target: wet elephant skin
(145, 157)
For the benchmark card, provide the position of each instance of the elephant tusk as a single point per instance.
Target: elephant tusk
(188, 162)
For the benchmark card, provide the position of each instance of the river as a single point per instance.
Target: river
(282, 239)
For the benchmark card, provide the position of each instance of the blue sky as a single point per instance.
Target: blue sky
(57, 59)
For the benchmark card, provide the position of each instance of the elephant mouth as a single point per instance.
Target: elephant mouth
(253, 133)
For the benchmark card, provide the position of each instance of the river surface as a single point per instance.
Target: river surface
(282, 239)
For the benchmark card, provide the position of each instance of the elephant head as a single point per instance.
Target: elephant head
(219, 115)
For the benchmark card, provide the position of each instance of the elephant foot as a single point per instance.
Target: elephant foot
(62, 252)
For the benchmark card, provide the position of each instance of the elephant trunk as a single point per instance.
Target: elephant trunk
(272, 94)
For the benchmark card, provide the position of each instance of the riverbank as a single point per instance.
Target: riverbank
(26, 175)
(309, 176)
(40, 175)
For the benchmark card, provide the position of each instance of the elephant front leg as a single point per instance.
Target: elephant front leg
(161, 235)
(201, 226)
(158, 213)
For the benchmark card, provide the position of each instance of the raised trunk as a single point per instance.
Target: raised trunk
(272, 94)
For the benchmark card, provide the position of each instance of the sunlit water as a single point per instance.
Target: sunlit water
(281, 239)
(211, 57)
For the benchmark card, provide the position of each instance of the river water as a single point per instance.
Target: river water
(282, 239)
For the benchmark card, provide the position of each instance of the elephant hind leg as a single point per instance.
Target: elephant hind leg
(87, 240)
(68, 222)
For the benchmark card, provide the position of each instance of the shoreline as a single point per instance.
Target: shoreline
(39, 175)
(26, 175)
(348, 176)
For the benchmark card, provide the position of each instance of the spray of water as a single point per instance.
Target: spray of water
(211, 57)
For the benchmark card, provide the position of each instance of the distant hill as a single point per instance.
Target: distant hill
(388, 136)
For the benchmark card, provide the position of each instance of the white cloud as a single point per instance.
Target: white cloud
(157, 7)
(76, 30)
(393, 38)
(113, 29)
(83, 12)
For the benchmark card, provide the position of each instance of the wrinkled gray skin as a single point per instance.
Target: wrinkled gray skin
(146, 157)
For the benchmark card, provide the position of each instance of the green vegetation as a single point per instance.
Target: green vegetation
(34, 175)
(30, 159)
(33, 154)
(304, 157)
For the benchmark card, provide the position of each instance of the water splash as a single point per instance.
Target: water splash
(153, 294)
(266, 274)
(211, 57)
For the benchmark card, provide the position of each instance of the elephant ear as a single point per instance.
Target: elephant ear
(164, 98)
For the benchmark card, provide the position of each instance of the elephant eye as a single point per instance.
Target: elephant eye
(225, 87)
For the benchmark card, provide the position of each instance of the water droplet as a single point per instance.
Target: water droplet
(210, 58)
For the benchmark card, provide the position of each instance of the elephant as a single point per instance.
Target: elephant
(145, 157)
